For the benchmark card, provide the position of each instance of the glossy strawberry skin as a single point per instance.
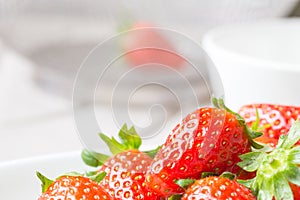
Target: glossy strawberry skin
(74, 187)
(276, 119)
(125, 177)
(296, 191)
(217, 188)
(207, 140)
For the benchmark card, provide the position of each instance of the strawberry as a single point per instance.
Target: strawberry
(274, 119)
(207, 140)
(267, 140)
(72, 187)
(217, 188)
(126, 169)
(244, 175)
(130, 140)
(147, 44)
(126, 176)
(296, 191)
(277, 171)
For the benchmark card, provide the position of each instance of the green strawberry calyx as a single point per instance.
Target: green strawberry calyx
(46, 182)
(276, 169)
(129, 139)
(186, 183)
(251, 133)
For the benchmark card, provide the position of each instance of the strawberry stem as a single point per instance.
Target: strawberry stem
(45, 181)
(276, 169)
(130, 137)
(255, 125)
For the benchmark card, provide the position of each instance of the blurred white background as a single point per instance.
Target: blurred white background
(42, 44)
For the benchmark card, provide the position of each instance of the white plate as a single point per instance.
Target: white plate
(18, 179)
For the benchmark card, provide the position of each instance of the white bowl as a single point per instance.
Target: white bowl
(195, 17)
(258, 62)
(27, 184)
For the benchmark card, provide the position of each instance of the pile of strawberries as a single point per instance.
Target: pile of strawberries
(213, 153)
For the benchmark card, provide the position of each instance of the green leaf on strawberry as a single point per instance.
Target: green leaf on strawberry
(185, 183)
(275, 170)
(92, 158)
(95, 176)
(175, 197)
(129, 139)
(152, 152)
(98, 176)
(72, 187)
(251, 161)
(46, 182)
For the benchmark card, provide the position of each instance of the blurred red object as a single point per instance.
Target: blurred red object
(148, 45)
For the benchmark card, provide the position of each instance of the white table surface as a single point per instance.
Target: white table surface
(34, 122)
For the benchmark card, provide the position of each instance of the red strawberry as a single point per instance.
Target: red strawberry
(207, 140)
(278, 171)
(126, 170)
(73, 187)
(147, 44)
(296, 191)
(125, 177)
(275, 119)
(272, 142)
(217, 188)
(244, 175)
